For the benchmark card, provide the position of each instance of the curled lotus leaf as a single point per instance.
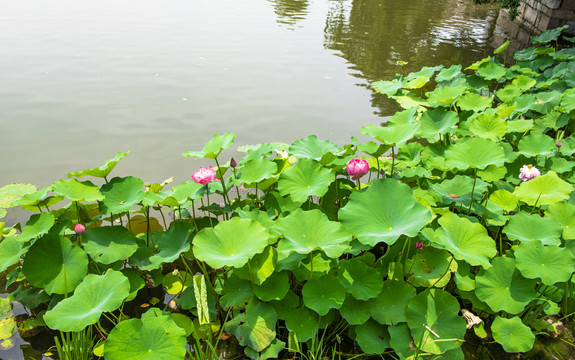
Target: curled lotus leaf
(512, 334)
(256, 326)
(37, 225)
(214, 147)
(75, 190)
(475, 153)
(102, 171)
(11, 249)
(544, 190)
(384, 211)
(392, 135)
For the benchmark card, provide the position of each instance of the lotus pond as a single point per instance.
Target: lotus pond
(449, 235)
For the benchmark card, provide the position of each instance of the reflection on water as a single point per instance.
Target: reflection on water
(290, 11)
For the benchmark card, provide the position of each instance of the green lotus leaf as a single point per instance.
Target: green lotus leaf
(306, 178)
(305, 231)
(75, 190)
(475, 153)
(257, 170)
(136, 282)
(417, 83)
(464, 279)
(3, 213)
(436, 310)
(547, 37)
(255, 327)
(465, 240)
(274, 288)
(474, 102)
(323, 294)
(13, 192)
(360, 280)
(533, 145)
(551, 264)
(504, 199)
(458, 190)
(355, 312)
(212, 149)
(491, 71)
(37, 225)
(432, 267)
(11, 249)
(520, 126)
(177, 281)
(489, 126)
(392, 135)
(318, 263)
(445, 95)
(256, 152)
(400, 340)
(38, 199)
(235, 291)
(512, 334)
(559, 165)
(188, 190)
(303, 322)
(529, 228)
(544, 190)
(230, 243)
(373, 338)
(285, 305)
(271, 352)
(492, 173)
(155, 336)
(102, 171)
(121, 194)
(107, 244)
(564, 214)
(384, 211)
(313, 148)
(55, 264)
(168, 247)
(261, 266)
(568, 100)
(94, 296)
(388, 88)
(503, 287)
(402, 117)
(390, 306)
(448, 74)
(437, 121)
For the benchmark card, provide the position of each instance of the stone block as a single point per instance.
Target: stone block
(568, 5)
(566, 15)
(543, 22)
(553, 4)
(530, 15)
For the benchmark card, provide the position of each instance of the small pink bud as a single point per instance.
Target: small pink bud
(205, 175)
(79, 229)
(419, 245)
(528, 172)
(559, 144)
(357, 168)
(233, 163)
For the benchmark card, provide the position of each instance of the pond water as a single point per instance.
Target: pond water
(84, 80)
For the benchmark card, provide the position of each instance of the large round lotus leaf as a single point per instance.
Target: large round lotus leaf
(437, 121)
(13, 192)
(323, 294)
(271, 352)
(544, 190)
(432, 267)
(230, 243)
(392, 135)
(489, 126)
(432, 315)
(512, 334)
(102, 171)
(355, 312)
(445, 95)
(306, 178)
(303, 322)
(168, 247)
(313, 148)
(189, 189)
(274, 288)
(37, 225)
(551, 264)
(474, 102)
(10, 251)
(155, 336)
(474, 153)
(107, 244)
(235, 291)
(94, 296)
(373, 338)
(533, 145)
(465, 240)
(121, 194)
(390, 307)
(503, 287)
(256, 170)
(459, 190)
(54, 264)
(212, 149)
(75, 190)
(256, 327)
(359, 279)
(564, 214)
(526, 228)
(383, 212)
(305, 231)
(504, 199)
(491, 71)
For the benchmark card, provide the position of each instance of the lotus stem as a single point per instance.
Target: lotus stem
(392, 161)
(225, 190)
(208, 195)
(472, 190)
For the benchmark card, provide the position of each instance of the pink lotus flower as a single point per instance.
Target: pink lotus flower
(559, 144)
(79, 229)
(528, 172)
(205, 175)
(357, 168)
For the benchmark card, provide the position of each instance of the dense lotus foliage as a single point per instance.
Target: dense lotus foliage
(439, 235)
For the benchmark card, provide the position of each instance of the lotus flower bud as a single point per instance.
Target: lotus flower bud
(419, 245)
(205, 175)
(233, 163)
(79, 229)
(559, 144)
(357, 168)
(528, 172)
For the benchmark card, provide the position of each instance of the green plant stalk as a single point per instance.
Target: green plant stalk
(392, 161)
(472, 190)
(208, 196)
(225, 190)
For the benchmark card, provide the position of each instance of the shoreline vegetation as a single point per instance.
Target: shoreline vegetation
(449, 235)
